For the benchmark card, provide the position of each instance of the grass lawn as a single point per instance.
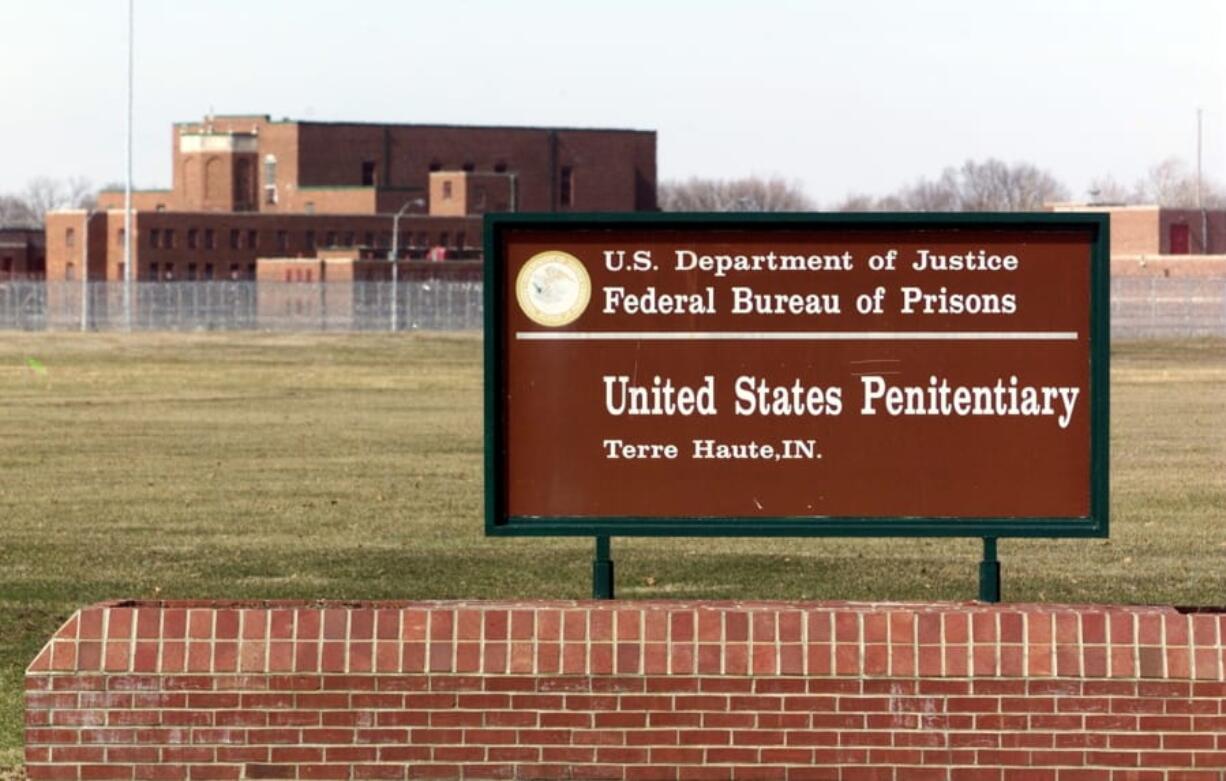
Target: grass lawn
(349, 466)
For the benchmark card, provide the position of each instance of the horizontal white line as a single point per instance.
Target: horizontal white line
(795, 336)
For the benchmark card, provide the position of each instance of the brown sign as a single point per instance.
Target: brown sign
(807, 375)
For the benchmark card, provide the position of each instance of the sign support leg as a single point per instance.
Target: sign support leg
(989, 572)
(602, 571)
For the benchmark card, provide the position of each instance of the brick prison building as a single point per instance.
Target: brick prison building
(1153, 240)
(23, 254)
(248, 187)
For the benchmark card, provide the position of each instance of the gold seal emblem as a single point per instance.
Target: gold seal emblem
(553, 288)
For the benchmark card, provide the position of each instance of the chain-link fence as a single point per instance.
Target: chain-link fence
(1167, 307)
(242, 306)
(1141, 307)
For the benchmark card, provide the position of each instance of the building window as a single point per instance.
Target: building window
(459, 240)
(153, 271)
(235, 239)
(348, 242)
(6, 265)
(192, 235)
(330, 239)
(282, 241)
(191, 271)
(170, 272)
(253, 239)
(208, 270)
(436, 166)
(121, 236)
(468, 166)
(70, 271)
(168, 238)
(210, 240)
(70, 237)
(369, 239)
(368, 173)
(479, 199)
(500, 167)
(310, 241)
(123, 271)
(422, 239)
(250, 271)
(447, 190)
(566, 192)
(309, 207)
(155, 238)
(270, 178)
(442, 238)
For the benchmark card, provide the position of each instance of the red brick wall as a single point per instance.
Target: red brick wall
(629, 690)
(222, 256)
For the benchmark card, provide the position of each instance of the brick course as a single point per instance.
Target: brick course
(628, 690)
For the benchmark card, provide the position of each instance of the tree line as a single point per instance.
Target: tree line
(989, 185)
(28, 208)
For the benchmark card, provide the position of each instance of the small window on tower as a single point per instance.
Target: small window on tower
(253, 239)
(368, 173)
(155, 238)
(436, 166)
(192, 238)
(210, 240)
(270, 179)
(468, 166)
(235, 238)
(70, 237)
(447, 190)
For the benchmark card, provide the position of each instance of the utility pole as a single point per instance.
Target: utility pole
(1199, 116)
(127, 187)
(1200, 204)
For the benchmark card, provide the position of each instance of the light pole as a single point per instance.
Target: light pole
(392, 256)
(89, 214)
(127, 186)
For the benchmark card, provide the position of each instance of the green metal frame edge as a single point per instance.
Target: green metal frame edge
(1097, 524)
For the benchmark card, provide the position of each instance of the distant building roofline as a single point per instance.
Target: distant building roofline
(422, 125)
(1073, 206)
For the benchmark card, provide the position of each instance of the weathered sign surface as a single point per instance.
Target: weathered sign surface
(804, 374)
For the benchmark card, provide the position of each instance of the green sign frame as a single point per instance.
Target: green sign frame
(499, 524)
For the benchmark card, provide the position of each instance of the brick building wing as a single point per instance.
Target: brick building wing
(246, 187)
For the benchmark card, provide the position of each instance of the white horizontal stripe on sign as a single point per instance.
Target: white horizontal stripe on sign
(795, 336)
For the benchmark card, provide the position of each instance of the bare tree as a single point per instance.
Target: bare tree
(1107, 190)
(44, 194)
(15, 213)
(988, 186)
(753, 194)
(1171, 183)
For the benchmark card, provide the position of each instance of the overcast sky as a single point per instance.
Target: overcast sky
(841, 96)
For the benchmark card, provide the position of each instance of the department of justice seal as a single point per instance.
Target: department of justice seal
(553, 288)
